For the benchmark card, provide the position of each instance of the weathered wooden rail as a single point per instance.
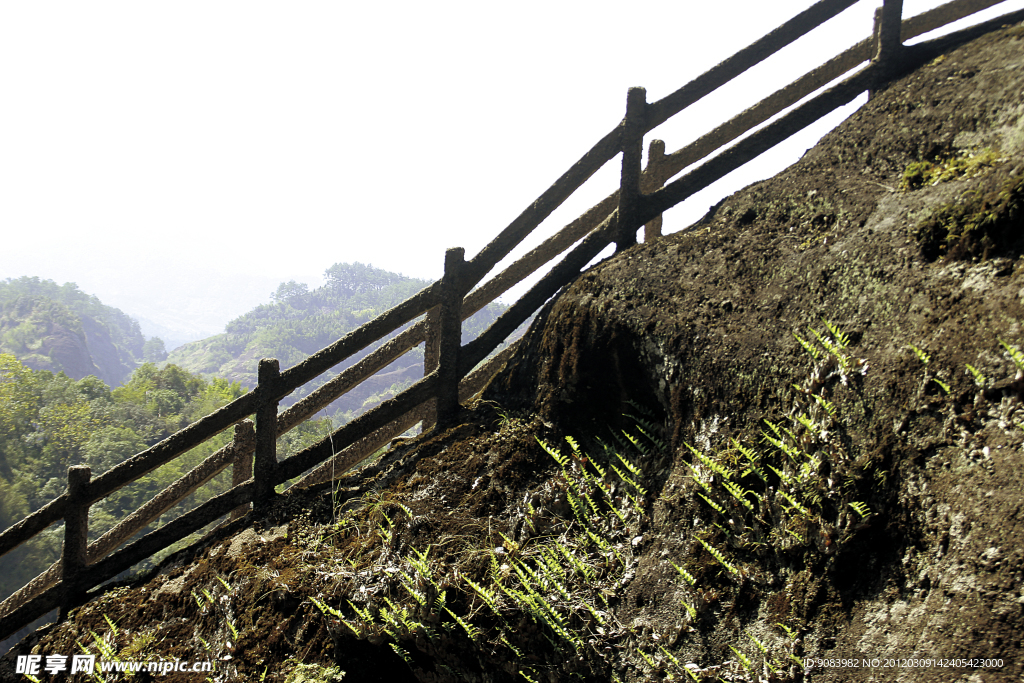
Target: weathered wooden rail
(450, 376)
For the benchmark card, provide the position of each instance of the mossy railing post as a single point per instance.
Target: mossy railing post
(265, 459)
(431, 354)
(888, 40)
(450, 335)
(653, 179)
(74, 557)
(241, 470)
(632, 156)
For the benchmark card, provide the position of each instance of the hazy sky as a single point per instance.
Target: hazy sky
(180, 159)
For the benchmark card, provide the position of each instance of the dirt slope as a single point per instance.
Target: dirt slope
(822, 389)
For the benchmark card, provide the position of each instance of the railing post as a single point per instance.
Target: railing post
(632, 156)
(265, 459)
(76, 538)
(431, 355)
(450, 333)
(888, 41)
(653, 180)
(241, 470)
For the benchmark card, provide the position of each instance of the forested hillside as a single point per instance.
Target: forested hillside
(299, 321)
(49, 422)
(62, 350)
(61, 328)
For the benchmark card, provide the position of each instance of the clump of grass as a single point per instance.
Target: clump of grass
(923, 173)
(978, 225)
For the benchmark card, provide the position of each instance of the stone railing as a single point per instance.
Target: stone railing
(451, 369)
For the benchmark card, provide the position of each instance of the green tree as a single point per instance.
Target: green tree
(293, 293)
(67, 427)
(153, 351)
(218, 393)
(19, 400)
(49, 421)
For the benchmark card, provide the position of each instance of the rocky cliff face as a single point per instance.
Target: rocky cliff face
(46, 334)
(114, 365)
(822, 387)
(707, 330)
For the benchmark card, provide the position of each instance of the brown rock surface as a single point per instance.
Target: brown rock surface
(859, 502)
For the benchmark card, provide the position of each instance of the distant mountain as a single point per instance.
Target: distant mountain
(172, 336)
(299, 321)
(61, 328)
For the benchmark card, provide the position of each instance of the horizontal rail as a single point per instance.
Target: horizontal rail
(35, 608)
(360, 427)
(360, 450)
(148, 460)
(323, 360)
(210, 425)
(657, 113)
(130, 555)
(169, 533)
(808, 83)
(942, 15)
(660, 111)
(21, 531)
(843, 93)
(357, 340)
(552, 198)
(290, 418)
(166, 499)
(176, 492)
(707, 144)
(351, 377)
(543, 253)
(43, 582)
(921, 53)
(472, 303)
(141, 518)
(516, 314)
(739, 154)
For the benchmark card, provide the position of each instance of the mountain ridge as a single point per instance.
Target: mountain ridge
(300, 321)
(60, 328)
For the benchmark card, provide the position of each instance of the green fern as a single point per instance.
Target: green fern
(827, 405)
(715, 553)
(650, 662)
(472, 631)
(401, 652)
(712, 464)
(835, 348)
(979, 379)
(841, 339)
(112, 625)
(744, 660)
(718, 508)
(795, 505)
(739, 493)
(562, 460)
(1015, 354)
(860, 508)
(814, 352)
(687, 576)
(921, 355)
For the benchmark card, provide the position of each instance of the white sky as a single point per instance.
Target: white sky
(180, 159)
